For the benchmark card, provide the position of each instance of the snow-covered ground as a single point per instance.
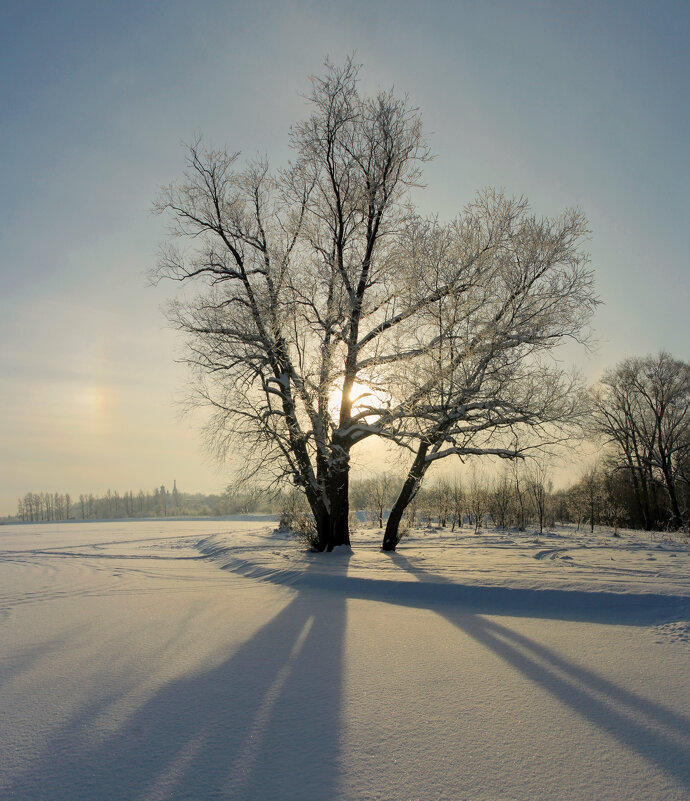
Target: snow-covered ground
(213, 659)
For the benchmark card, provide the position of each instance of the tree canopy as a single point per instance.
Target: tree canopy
(333, 312)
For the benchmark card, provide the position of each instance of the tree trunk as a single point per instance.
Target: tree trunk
(676, 516)
(323, 529)
(642, 510)
(653, 489)
(391, 536)
(338, 494)
(640, 479)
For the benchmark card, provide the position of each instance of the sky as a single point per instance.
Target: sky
(567, 103)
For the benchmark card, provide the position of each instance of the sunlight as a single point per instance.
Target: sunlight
(361, 395)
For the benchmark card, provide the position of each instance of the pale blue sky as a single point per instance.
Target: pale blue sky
(568, 103)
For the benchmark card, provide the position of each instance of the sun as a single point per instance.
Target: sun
(362, 396)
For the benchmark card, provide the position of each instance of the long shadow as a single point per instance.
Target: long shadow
(265, 724)
(642, 609)
(632, 720)
(656, 732)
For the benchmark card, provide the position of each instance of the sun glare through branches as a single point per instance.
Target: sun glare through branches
(364, 399)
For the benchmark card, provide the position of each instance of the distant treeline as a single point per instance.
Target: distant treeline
(161, 502)
(520, 496)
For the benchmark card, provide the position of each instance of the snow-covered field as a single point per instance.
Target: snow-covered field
(215, 660)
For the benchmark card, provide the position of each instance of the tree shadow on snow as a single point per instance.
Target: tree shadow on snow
(265, 724)
(655, 732)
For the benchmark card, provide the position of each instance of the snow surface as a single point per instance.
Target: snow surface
(215, 659)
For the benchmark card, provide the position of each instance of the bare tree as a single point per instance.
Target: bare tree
(539, 487)
(380, 489)
(443, 498)
(488, 377)
(588, 497)
(477, 500)
(617, 415)
(317, 287)
(304, 289)
(643, 406)
(457, 498)
(501, 500)
(332, 312)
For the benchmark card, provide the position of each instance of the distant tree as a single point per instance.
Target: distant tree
(560, 506)
(588, 496)
(520, 495)
(456, 501)
(109, 507)
(381, 488)
(539, 487)
(501, 500)
(477, 501)
(614, 508)
(643, 407)
(241, 497)
(442, 496)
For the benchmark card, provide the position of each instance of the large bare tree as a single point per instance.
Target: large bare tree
(303, 284)
(331, 312)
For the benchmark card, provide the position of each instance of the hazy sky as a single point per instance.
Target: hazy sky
(569, 103)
